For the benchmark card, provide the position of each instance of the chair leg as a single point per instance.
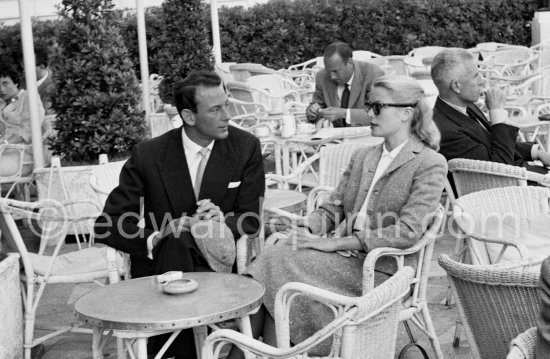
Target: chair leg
(431, 332)
(458, 333)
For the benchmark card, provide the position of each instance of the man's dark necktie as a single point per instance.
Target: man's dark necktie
(344, 101)
(471, 114)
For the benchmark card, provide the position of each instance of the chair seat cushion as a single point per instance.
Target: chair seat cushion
(87, 260)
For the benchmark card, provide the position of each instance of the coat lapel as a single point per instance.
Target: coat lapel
(219, 171)
(175, 175)
(356, 86)
(369, 167)
(407, 153)
(463, 121)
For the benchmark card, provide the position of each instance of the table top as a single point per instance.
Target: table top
(141, 305)
(288, 200)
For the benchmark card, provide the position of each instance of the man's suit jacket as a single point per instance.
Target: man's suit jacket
(462, 137)
(157, 172)
(410, 188)
(326, 92)
(543, 323)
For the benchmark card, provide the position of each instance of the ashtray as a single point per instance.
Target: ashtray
(545, 117)
(180, 286)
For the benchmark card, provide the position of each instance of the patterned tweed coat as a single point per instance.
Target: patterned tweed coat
(411, 187)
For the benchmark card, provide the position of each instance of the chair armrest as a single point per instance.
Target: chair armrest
(524, 345)
(398, 254)
(298, 171)
(338, 303)
(241, 248)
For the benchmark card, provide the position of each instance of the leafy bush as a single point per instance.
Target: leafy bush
(98, 97)
(182, 44)
(283, 32)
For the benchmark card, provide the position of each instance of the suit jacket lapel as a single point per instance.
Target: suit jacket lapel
(356, 86)
(464, 122)
(332, 90)
(175, 175)
(219, 171)
(407, 153)
(369, 167)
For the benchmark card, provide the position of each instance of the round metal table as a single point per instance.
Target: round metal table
(288, 200)
(138, 308)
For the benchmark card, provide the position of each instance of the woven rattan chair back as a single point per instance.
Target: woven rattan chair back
(496, 303)
(477, 211)
(473, 175)
(333, 161)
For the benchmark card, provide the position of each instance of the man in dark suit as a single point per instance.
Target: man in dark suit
(543, 323)
(465, 131)
(342, 87)
(205, 171)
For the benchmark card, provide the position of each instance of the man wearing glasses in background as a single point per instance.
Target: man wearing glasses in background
(342, 87)
(465, 131)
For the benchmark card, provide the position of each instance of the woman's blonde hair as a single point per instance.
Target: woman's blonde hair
(404, 89)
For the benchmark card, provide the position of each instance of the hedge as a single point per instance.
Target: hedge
(284, 32)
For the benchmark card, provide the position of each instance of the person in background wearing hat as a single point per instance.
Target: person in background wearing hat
(342, 87)
(200, 187)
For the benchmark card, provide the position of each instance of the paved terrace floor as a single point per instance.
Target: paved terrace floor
(55, 310)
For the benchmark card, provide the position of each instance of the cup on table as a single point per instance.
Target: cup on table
(262, 131)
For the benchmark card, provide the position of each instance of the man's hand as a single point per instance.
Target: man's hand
(495, 98)
(208, 211)
(333, 113)
(544, 157)
(312, 111)
(175, 226)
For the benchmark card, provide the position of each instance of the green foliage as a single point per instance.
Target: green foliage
(11, 48)
(284, 32)
(182, 44)
(98, 97)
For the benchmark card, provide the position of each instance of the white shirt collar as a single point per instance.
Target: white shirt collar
(351, 78)
(191, 147)
(456, 107)
(393, 153)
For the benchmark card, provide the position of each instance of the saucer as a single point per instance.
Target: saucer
(180, 286)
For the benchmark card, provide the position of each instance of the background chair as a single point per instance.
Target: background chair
(16, 165)
(367, 324)
(105, 178)
(474, 175)
(482, 216)
(524, 345)
(418, 61)
(38, 270)
(496, 303)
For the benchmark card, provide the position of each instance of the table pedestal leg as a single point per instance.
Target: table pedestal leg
(246, 329)
(200, 336)
(141, 345)
(97, 347)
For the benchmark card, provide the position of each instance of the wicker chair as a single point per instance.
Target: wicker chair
(524, 345)
(476, 213)
(416, 306)
(82, 266)
(104, 179)
(16, 164)
(367, 324)
(495, 302)
(474, 175)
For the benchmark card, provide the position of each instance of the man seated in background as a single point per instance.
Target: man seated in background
(465, 131)
(342, 87)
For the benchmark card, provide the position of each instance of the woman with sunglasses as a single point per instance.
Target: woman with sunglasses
(386, 196)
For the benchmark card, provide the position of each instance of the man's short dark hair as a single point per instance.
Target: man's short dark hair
(341, 48)
(41, 56)
(9, 71)
(185, 91)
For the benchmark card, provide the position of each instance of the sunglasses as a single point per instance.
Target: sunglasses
(376, 107)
